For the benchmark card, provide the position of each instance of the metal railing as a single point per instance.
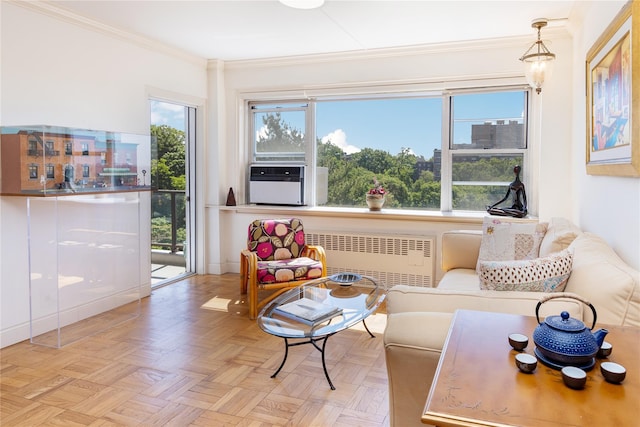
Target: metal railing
(174, 246)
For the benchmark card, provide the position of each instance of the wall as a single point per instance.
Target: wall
(550, 178)
(55, 72)
(605, 205)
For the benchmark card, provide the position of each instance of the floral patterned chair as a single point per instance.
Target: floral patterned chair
(277, 258)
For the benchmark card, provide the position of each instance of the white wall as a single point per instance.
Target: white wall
(605, 205)
(58, 73)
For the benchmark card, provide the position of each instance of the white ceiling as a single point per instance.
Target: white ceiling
(242, 29)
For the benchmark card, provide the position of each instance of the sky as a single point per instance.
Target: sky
(387, 124)
(164, 113)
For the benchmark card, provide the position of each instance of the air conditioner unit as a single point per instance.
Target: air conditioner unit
(277, 184)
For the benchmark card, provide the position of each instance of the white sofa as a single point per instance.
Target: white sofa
(419, 318)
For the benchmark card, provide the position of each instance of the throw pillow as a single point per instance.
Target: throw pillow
(546, 274)
(560, 234)
(504, 240)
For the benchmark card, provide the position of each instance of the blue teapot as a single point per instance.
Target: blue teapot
(564, 341)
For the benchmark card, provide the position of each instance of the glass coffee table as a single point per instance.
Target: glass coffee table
(353, 296)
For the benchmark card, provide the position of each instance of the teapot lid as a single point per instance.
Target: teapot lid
(564, 322)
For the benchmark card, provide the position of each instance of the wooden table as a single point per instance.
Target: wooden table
(478, 384)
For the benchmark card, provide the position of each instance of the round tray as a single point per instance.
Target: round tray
(558, 366)
(345, 279)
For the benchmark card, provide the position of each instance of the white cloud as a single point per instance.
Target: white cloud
(339, 139)
(166, 113)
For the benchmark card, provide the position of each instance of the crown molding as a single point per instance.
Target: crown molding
(393, 52)
(61, 14)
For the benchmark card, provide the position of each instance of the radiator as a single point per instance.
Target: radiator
(391, 259)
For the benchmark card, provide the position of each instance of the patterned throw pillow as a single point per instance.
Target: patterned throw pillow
(547, 274)
(504, 240)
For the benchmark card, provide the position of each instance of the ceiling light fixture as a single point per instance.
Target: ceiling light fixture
(303, 4)
(538, 60)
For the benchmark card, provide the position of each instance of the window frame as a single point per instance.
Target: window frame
(446, 197)
(50, 171)
(395, 92)
(280, 106)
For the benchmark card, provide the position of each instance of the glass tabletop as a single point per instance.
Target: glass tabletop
(353, 296)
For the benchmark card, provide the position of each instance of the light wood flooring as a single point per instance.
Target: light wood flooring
(193, 358)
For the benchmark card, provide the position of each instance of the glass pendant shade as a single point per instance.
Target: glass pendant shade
(538, 70)
(538, 60)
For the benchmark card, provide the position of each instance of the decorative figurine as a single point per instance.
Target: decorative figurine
(231, 198)
(519, 207)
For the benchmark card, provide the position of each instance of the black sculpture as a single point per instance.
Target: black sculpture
(519, 207)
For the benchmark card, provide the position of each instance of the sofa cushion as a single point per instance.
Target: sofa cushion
(460, 279)
(288, 270)
(507, 240)
(560, 234)
(605, 280)
(545, 274)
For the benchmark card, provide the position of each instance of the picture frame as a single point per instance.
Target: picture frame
(613, 97)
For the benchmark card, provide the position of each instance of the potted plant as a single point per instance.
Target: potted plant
(376, 196)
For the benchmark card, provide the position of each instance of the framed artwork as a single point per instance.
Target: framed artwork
(613, 97)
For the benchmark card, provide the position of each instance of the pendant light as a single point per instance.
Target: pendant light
(538, 60)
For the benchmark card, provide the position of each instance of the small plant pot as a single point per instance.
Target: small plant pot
(375, 202)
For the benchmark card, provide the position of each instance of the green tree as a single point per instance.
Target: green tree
(279, 136)
(169, 163)
(405, 165)
(376, 161)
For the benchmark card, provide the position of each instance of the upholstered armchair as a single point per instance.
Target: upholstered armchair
(277, 258)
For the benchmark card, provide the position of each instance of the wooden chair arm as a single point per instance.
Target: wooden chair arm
(317, 253)
(251, 257)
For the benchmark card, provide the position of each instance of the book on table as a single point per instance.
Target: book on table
(308, 311)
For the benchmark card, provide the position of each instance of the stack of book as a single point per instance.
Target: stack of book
(308, 311)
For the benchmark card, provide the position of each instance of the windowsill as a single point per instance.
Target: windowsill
(469, 217)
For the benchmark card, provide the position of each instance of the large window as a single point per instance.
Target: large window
(432, 151)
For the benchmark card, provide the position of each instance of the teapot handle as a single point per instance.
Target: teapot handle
(566, 295)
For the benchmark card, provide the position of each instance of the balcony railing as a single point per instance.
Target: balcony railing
(166, 201)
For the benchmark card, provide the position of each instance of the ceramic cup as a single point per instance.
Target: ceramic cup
(518, 341)
(613, 372)
(526, 362)
(605, 350)
(573, 377)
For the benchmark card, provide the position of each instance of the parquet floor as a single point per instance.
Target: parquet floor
(182, 364)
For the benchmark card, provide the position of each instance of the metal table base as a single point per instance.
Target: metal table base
(314, 342)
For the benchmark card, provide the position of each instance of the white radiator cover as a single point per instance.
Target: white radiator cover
(391, 259)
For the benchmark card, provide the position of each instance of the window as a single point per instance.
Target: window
(33, 146)
(85, 149)
(68, 148)
(33, 171)
(488, 138)
(436, 151)
(85, 171)
(390, 139)
(278, 132)
(51, 171)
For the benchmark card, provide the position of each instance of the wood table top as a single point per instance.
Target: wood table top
(478, 384)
